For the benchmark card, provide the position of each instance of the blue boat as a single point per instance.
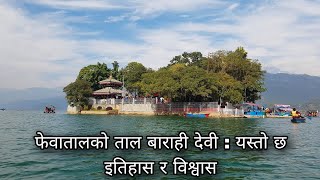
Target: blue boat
(252, 110)
(196, 115)
(298, 120)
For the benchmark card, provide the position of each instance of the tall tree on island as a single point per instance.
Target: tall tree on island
(187, 58)
(78, 92)
(115, 70)
(93, 74)
(236, 64)
(132, 76)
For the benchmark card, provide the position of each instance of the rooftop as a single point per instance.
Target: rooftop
(108, 91)
(111, 81)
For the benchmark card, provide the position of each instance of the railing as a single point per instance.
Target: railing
(123, 101)
(175, 107)
(195, 107)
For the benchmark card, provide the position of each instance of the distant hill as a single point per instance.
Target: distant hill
(12, 95)
(298, 90)
(59, 102)
(32, 98)
(291, 89)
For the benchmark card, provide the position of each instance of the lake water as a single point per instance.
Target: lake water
(21, 159)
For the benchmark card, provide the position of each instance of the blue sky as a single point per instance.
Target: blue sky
(44, 43)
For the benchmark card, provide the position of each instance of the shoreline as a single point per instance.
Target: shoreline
(136, 113)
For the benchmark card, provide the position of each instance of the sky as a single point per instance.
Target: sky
(44, 43)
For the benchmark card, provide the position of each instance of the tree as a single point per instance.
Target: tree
(178, 82)
(115, 70)
(236, 64)
(93, 74)
(223, 75)
(187, 58)
(78, 92)
(132, 75)
(229, 89)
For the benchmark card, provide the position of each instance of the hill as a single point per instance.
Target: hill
(291, 89)
(32, 98)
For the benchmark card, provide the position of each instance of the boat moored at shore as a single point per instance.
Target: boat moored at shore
(197, 115)
(252, 110)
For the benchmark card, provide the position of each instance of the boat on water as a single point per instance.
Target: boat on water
(49, 109)
(298, 120)
(197, 115)
(2, 109)
(279, 111)
(252, 110)
(312, 113)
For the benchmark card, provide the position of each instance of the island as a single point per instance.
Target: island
(216, 84)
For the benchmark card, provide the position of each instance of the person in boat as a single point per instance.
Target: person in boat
(295, 113)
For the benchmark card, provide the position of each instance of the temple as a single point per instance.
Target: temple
(111, 89)
(105, 98)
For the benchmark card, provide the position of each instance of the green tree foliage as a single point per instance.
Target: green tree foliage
(187, 58)
(132, 74)
(236, 64)
(179, 82)
(228, 89)
(115, 70)
(223, 75)
(93, 74)
(226, 75)
(191, 83)
(78, 92)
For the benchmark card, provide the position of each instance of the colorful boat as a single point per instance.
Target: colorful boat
(196, 115)
(298, 120)
(312, 113)
(282, 110)
(252, 110)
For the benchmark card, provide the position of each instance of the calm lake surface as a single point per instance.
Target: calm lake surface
(21, 159)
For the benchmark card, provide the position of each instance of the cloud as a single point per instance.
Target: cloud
(134, 10)
(233, 6)
(30, 49)
(77, 4)
(47, 49)
(284, 35)
(147, 7)
(113, 19)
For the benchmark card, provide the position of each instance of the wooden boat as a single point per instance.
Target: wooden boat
(298, 120)
(196, 115)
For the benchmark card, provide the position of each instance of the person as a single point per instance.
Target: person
(295, 113)
(161, 99)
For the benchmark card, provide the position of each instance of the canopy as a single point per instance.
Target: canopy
(111, 81)
(282, 106)
(251, 104)
(107, 91)
(285, 109)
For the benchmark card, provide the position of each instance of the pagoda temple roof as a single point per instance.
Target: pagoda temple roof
(110, 81)
(107, 91)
